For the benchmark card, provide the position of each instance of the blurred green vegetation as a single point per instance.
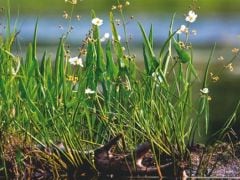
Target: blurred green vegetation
(53, 7)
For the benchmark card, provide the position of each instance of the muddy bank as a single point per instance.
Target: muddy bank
(30, 161)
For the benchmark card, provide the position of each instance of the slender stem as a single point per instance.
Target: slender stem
(124, 30)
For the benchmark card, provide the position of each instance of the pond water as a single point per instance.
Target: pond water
(223, 30)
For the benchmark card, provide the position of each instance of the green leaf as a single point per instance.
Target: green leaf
(149, 66)
(91, 60)
(100, 68)
(35, 41)
(112, 70)
(147, 44)
(146, 61)
(25, 95)
(117, 45)
(184, 56)
(150, 54)
(150, 36)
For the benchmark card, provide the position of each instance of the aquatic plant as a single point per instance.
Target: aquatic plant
(82, 101)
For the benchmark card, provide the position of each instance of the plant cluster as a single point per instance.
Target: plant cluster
(83, 101)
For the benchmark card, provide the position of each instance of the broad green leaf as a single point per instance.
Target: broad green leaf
(100, 68)
(112, 70)
(35, 41)
(183, 55)
(117, 45)
(91, 60)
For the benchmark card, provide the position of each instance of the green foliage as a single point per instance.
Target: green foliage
(46, 100)
(182, 54)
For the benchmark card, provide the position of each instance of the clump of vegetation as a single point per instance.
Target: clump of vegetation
(60, 111)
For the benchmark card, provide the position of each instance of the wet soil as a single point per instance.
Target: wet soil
(221, 160)
(30, 161)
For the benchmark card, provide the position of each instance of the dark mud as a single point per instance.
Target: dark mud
(31, 162)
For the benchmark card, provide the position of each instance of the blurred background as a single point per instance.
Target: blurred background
(218, 22)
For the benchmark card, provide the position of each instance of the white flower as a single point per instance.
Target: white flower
(89, 91)
(204, 90)
(105, 37)
(122, 64)
(157, 77)
(194, 32)
(76, 61)
(183, 29)
(191, 17)
(221, 58)
(235, 50)
(96, 21)
(119, 38)
(114, 7)
(118, 21)
(127, 3)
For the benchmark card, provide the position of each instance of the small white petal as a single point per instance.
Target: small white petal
(119, 38)
(96, 21)
(194, 32)
(179, 31)
(191, 17)
(204, 90)
(157, 77)
(183, 29)
(76, 61)
(221, 58)
(122, 64)
(127, 3)
(103, 39)
(89, 91)
(106, 35)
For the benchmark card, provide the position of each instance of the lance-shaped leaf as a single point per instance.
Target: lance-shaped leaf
(183, 55)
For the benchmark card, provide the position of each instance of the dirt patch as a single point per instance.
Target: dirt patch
(29, 161)
(220, 160)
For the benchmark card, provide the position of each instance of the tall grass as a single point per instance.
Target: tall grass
(45, 101)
